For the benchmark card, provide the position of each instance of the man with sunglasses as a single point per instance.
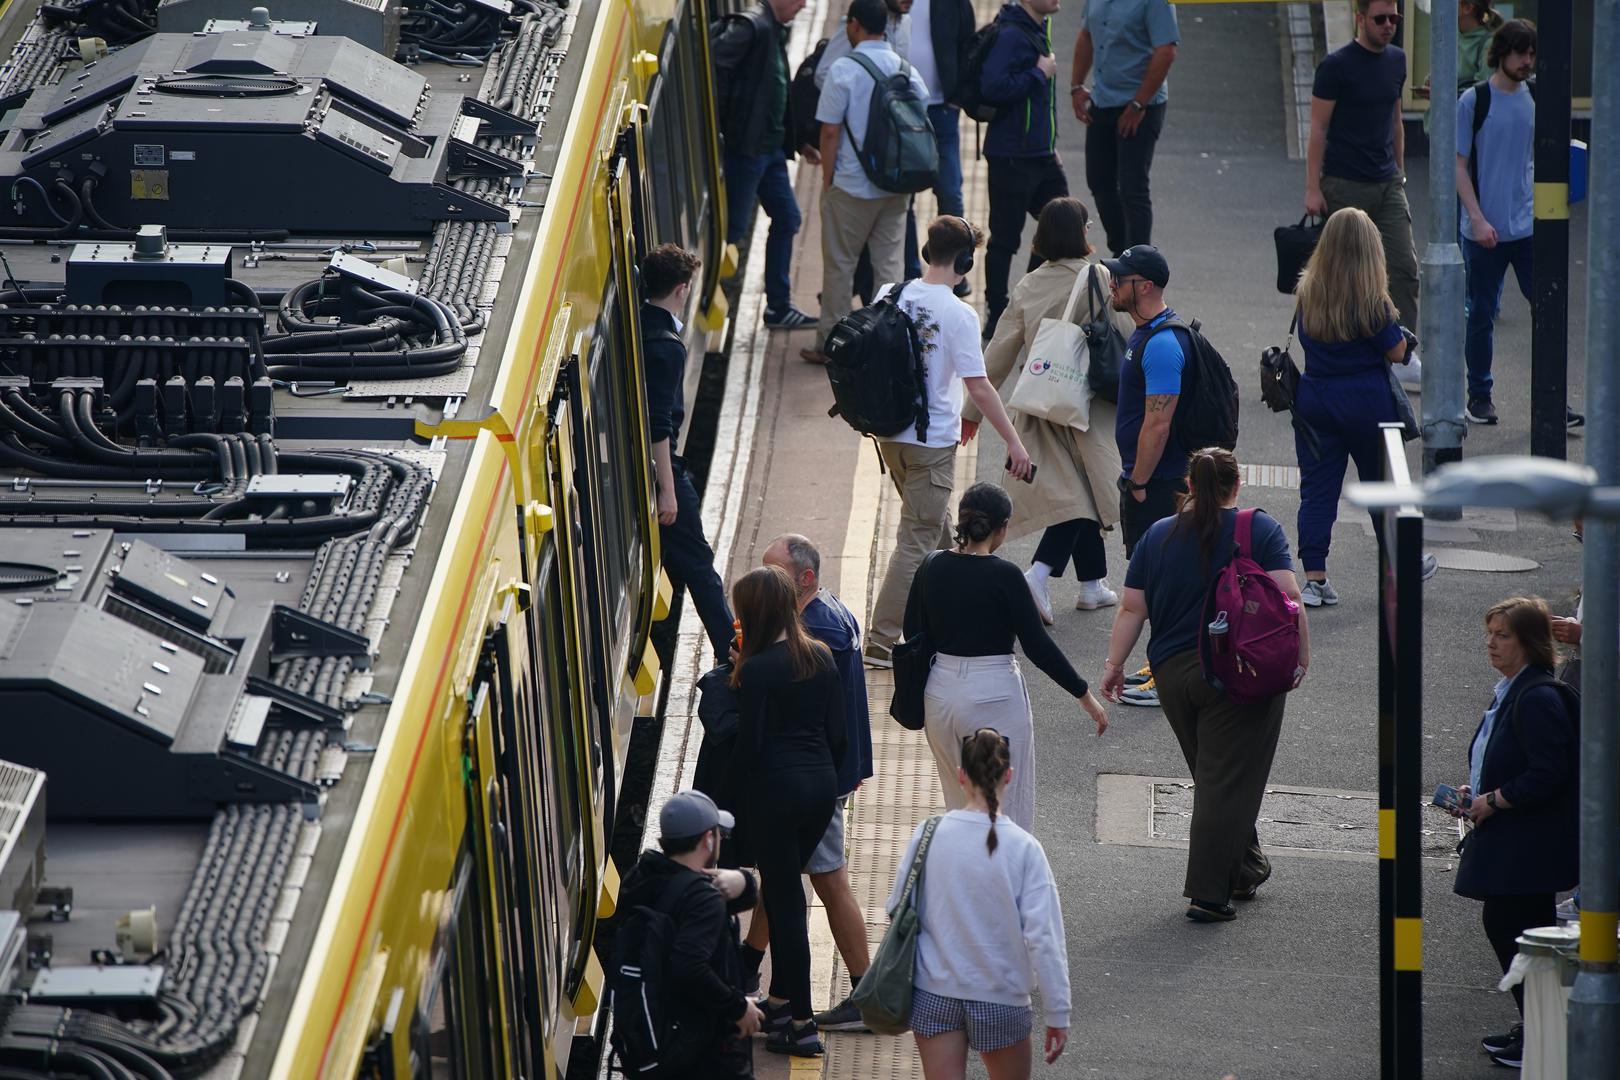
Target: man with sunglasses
(1357, 151)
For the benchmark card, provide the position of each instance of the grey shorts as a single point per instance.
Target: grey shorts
(829, 854)
(989, 1026)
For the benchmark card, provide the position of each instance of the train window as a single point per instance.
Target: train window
(568, 809)
(611, 416)
(672, 150)
(669, 219)
(453, 1036)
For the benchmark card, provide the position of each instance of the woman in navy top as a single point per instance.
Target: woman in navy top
(1349, 334)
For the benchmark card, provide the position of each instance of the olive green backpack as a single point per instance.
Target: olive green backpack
(884, 995)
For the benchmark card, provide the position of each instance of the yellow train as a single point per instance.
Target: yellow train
(439, 916)
(456, 937)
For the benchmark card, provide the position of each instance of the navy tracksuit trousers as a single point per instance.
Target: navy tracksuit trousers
(1343, 414)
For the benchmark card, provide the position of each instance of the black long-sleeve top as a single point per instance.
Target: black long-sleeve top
(976, 605)
(786, 725)
(666, 374)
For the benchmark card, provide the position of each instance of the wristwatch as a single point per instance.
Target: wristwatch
(1490, 800)
(1127, 485)
(1137, 105)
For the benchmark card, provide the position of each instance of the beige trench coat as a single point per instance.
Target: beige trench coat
(1077, 471)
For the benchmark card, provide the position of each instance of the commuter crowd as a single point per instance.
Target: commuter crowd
(1117, 413)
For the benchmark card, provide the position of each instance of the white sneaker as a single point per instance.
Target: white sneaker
(1043, 598)
(1094, 595)
(1411, 374)
(1430, 566)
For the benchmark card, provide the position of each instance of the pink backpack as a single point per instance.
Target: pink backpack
(1249, 642)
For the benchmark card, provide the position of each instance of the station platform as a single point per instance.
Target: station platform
(1291, 988)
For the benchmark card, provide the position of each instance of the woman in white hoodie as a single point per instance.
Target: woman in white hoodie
(990, 929)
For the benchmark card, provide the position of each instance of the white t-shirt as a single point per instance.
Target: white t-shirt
(991, 926)
(949, 332)
(921, 53)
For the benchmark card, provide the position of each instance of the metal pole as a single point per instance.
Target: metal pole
(1400, 770)
(1549, 313)
(1442, 272)
(1594, 1003)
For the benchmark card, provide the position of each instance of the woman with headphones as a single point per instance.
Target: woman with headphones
(1073, 497)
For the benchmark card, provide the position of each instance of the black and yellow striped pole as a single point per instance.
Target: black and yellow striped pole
(1400, 761)
(1549, 312)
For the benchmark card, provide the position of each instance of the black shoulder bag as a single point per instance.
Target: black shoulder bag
(1105, 345)
(913, 658)
(1279, 375)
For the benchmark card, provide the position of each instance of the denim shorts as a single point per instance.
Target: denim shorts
(829, 854)
(989, 1026)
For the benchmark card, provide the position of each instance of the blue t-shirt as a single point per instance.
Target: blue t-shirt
(1169, 568)
(1157, 372)
(828, 621)
(1364, 87)
(1124, 34)
(1329, 360)
(1504, 159)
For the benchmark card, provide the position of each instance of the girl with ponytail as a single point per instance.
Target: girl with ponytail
(971, 606)
(990, 928)
(1228, 747)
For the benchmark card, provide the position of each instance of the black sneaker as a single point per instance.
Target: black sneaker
(962, 289)
(1204, 911)
(777, 1017)
(841, 1017)
(1511, 1055)
(795, 1040)
(1573, 419)
(1480, 411)
(789, 318)
(1495, 1044)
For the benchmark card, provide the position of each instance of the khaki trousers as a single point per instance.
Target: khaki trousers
(1228, 748)
(924, 476)
(848, 225)
(1385, 202)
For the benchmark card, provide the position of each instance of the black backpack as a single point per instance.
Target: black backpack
(900, 154)
(804, 95)
(970, 88)
(1207, 410)
(648, 1040)
(875, 366)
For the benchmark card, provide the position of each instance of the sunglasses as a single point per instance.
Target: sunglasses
(1006, 743)
(1392, 18)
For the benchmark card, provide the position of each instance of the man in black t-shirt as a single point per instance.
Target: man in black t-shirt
(1357, 152)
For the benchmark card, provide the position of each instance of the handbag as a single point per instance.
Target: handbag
(1054, 385)
(717, 709)
(912, 659)
(884, 995)
(1105, 346)
(1403, 406)
(1294, 246)
(1279, 375)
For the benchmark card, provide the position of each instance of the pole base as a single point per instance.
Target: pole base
(1594, 1023)
(1434, 459)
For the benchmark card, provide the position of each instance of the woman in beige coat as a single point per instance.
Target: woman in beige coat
(1074, 494)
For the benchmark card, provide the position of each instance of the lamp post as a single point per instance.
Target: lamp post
(1562, 490)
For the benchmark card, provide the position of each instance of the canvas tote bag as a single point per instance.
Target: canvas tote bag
(1053, 385)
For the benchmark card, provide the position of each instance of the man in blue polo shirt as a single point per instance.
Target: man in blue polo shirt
(1153, 463)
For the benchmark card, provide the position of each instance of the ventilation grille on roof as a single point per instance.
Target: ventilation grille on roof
(227, 85)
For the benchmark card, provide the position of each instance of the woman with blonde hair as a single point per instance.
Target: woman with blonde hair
(1349, 335)
(1073, 496)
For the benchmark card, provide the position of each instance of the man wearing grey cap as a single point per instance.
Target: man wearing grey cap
(704, 996)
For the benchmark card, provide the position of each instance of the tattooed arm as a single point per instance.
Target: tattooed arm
(1154, 436)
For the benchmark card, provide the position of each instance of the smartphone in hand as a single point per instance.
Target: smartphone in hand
(1030, 479)
(1447, 797)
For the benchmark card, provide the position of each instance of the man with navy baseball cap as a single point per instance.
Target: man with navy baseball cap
(713, 1018)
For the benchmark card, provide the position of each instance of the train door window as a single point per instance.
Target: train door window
(611, 417)
(662, 165)
(567, 810)
(453, 1039)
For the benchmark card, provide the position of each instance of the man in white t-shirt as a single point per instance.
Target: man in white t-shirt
(924, 470)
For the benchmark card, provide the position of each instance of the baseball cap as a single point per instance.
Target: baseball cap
(1142, 260)
(691, 813)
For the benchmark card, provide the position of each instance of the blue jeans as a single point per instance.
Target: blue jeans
(764, 177)
(1487, 269)
(948, 190)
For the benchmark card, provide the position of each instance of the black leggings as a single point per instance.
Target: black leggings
(786, 816)
(1506, 917)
